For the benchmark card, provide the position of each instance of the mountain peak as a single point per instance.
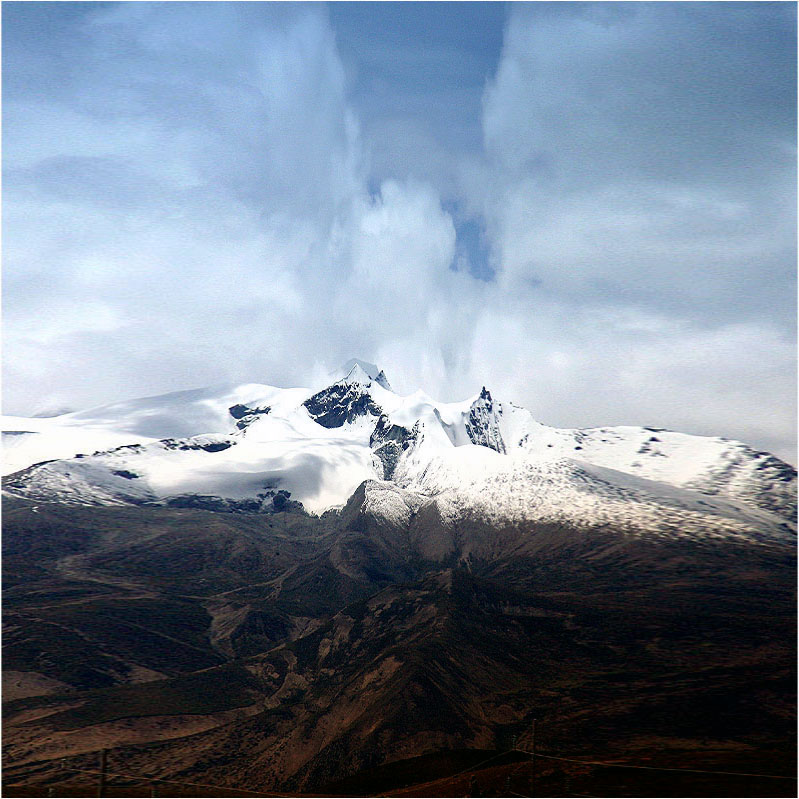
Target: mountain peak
(358, 371)
(237, 443)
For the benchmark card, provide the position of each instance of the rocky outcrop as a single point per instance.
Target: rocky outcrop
(340, 404)
(482, 425)
(245, 415)
(389, 441)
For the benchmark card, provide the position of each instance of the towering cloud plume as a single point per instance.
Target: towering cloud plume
(197, 193)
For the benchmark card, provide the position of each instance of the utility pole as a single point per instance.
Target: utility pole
(103, 772)
(532, 762)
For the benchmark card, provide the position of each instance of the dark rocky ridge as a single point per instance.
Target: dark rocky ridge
(389, 441)
(382, 380)
(340, 404)
(187, 444)
(270, 501)
(481, 426)
(245, 415)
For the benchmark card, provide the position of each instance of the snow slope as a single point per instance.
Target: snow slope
(250, 446)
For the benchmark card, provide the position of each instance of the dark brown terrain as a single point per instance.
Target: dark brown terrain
(345, 656)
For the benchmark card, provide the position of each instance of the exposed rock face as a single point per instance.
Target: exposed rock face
(128, 475)
(341, 403)
(239, 411)
(382, 380)
(188, 445)
(245, 415)
(389, 441)
(482, 425)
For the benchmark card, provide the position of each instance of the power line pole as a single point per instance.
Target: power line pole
(532, 762)
(103, 772)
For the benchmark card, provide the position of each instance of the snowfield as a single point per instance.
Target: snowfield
(477, 458)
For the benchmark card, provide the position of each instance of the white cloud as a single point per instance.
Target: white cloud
(205, 215)
(631, 154)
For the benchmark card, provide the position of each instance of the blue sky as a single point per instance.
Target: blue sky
(589, 207)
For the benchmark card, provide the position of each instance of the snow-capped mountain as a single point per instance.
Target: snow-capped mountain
(256, 447)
